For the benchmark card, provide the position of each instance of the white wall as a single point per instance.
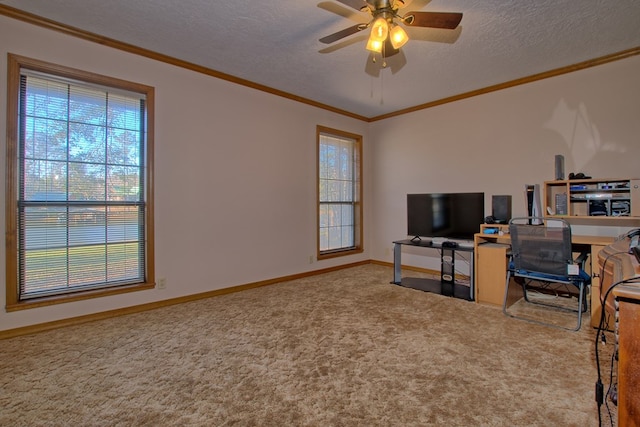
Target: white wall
(243, 161)
(235, 180)
(499, 142)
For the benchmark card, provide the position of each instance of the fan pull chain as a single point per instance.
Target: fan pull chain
(373, 79)
(384, 61)
(382, 86)
(384, 56)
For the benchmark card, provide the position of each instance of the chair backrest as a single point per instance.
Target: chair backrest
(544, 248)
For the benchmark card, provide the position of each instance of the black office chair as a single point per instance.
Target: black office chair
(542, 261)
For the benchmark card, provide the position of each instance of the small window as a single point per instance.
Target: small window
(80, 221)
(339, 193)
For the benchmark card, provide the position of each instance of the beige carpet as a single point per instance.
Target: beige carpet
(341, 349)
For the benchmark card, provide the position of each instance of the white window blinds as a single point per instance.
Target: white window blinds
(81, 206)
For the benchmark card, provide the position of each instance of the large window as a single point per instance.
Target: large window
(79, 208)
(339, 193)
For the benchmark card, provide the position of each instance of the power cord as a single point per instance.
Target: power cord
(599, 391)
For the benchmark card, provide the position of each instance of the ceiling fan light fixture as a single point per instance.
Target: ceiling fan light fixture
(398, 37)
(386, 26)
(374, 45)
(379, 30)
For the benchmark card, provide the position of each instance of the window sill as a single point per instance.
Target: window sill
(60, 299)
(339, 253)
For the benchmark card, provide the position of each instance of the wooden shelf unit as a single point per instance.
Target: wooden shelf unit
(596, 199)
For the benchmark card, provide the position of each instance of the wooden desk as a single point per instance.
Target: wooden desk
(576, 239)
(490, 264)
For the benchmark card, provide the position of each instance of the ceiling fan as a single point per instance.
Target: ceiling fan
(387, 35)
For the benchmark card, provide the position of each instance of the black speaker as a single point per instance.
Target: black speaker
(559, 167)
(501, 208)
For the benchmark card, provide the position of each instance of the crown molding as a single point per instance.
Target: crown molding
(106, 41)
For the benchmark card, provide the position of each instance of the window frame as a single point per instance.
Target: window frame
(357, 202)
(15, 64)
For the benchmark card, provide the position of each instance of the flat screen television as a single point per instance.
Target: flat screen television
(450, 215)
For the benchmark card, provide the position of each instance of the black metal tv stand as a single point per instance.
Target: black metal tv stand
(448, 284)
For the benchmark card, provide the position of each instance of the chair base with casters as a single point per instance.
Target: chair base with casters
(551, 289)
(541, 263)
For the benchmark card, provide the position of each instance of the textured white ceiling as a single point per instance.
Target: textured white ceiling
(275, 43)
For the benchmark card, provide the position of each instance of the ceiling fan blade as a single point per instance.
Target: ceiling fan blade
(343, 33)
(356, 4)
(447, 20)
